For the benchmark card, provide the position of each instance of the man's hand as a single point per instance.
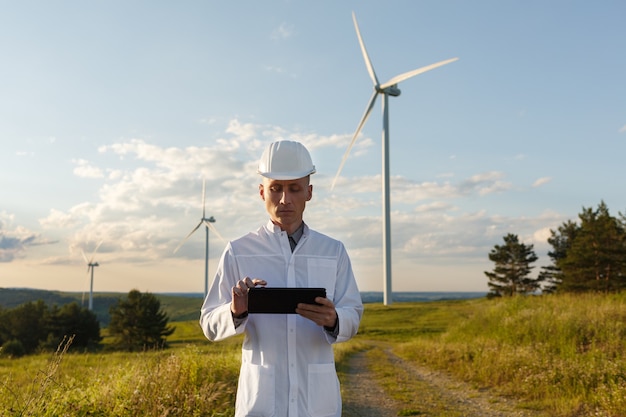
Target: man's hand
(239, 305)
(323, 315)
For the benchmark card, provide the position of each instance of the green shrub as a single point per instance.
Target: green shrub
(13, 349)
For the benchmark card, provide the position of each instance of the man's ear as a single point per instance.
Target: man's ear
(310, 192)
(262, 192)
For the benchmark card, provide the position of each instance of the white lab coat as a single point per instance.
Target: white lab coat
(288, 367)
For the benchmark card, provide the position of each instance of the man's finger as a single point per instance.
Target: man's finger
(324, 301)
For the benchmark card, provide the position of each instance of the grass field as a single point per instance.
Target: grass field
(563, 355)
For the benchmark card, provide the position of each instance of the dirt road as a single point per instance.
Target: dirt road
(435, 394)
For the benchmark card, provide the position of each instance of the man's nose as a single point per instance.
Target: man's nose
(285, 197)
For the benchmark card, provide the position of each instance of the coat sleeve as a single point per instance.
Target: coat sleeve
(216, 319)
(347, 299)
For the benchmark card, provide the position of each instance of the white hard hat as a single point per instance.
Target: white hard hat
(286, 160)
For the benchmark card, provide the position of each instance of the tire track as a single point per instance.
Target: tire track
(432, 393)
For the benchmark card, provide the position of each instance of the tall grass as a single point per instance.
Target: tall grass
(190, 380)
(32, 398)
(563, 354)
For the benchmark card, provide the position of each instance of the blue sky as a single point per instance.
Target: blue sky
(112, 113)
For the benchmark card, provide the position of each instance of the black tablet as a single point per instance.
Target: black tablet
(280, 300)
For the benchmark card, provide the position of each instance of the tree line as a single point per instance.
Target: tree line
(137, 323)
(588, 255)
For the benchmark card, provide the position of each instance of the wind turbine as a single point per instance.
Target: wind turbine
(389, 88)
(207, 222)
(90, 267)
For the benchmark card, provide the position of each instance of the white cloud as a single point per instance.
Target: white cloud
(149, 202)
(85, 170)
(244, 131)
(437, 206)
(484, 183)
(542, 235)
(437, 236)
(542, 181)
(622, 129)
(495, 187)
(360, 147)
(406, 191)
(274, 69)
(431, 234)
(15, 240)
(58, 219)
(284, 31)
(151, 199)
(207, 121)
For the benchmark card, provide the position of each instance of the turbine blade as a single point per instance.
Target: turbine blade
(87, 261)
(84, 256)
(203, 197)
(366, 115)
(95, 250)
(366, 57)
(214, 230)
(399, 78)
(187, 237)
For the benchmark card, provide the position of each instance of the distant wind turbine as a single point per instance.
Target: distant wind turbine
(90, 267)
(390, 88)
(207, 222)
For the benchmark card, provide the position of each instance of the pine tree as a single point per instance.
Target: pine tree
(512, 268)
(73, 320)
(26, 324)
(138, 322)
(561, 241)
(596, 258)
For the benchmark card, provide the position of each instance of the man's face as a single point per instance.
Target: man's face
(285, 200)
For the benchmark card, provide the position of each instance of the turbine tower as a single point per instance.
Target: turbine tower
(208, 223)
(90, 267)
(389, 88)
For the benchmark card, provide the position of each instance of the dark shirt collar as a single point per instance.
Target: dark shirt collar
(297, 234)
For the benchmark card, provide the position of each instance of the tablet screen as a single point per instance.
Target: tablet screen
(281, 300)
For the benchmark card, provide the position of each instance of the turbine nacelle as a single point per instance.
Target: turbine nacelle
(392, 90)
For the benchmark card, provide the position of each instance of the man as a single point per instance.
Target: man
(288, 366)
